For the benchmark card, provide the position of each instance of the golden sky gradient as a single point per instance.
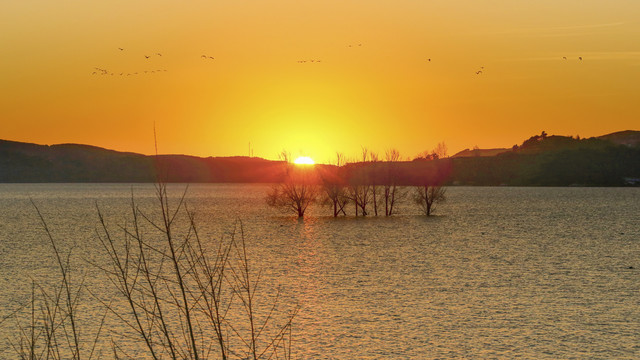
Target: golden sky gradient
(383, 93)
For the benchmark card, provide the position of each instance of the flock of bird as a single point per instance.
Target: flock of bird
(105, 72)
(100, 71)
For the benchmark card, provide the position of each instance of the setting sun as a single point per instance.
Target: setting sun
(304, 160)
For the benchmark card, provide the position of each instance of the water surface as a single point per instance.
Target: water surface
(497, 273)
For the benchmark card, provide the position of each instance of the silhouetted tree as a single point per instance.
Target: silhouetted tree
(296, 191)
(363, 184)
(391, 191)
(440, 151)
(426, 156)
(334, 187)
(373, 180)
(358, 184)
(428, 180)
(427, 196)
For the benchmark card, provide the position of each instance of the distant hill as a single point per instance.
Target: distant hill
(25, 162)
(541, 160)
(479, 152)
(534, 144)
(627, 137)
(552, 160)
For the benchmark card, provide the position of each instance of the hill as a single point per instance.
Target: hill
(627, 137)
(544, 160)
(541, 160)
(480, 152)
(25, 162)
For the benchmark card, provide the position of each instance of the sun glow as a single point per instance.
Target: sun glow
(303, 160)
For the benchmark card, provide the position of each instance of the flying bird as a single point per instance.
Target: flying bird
(158, 54)
(564, 58)
(146, 56)
(478, 72)
(121, 49)
(429, 60)
(580, 58)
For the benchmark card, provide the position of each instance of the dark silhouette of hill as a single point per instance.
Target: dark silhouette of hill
(533, 144)
(236, 169)
(479, 152)
(541, 160)
(25, 162)
(545, 160)
(627, 137)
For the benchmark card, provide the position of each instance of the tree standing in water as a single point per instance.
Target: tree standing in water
(334, 188)
(359, 187)
(431, 175)
(391, 191)
(296, 191)
(427, 196)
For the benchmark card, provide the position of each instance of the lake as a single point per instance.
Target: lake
(498, 272)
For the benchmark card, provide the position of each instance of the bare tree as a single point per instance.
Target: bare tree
(440, 151)
(334, 187)
(427, 196)
(430, 175)
(373, 181)
(296, 191)
(178, 296)
(391, 191)
(359, 187)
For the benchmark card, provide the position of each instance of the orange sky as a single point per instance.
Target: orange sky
(381, 94)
